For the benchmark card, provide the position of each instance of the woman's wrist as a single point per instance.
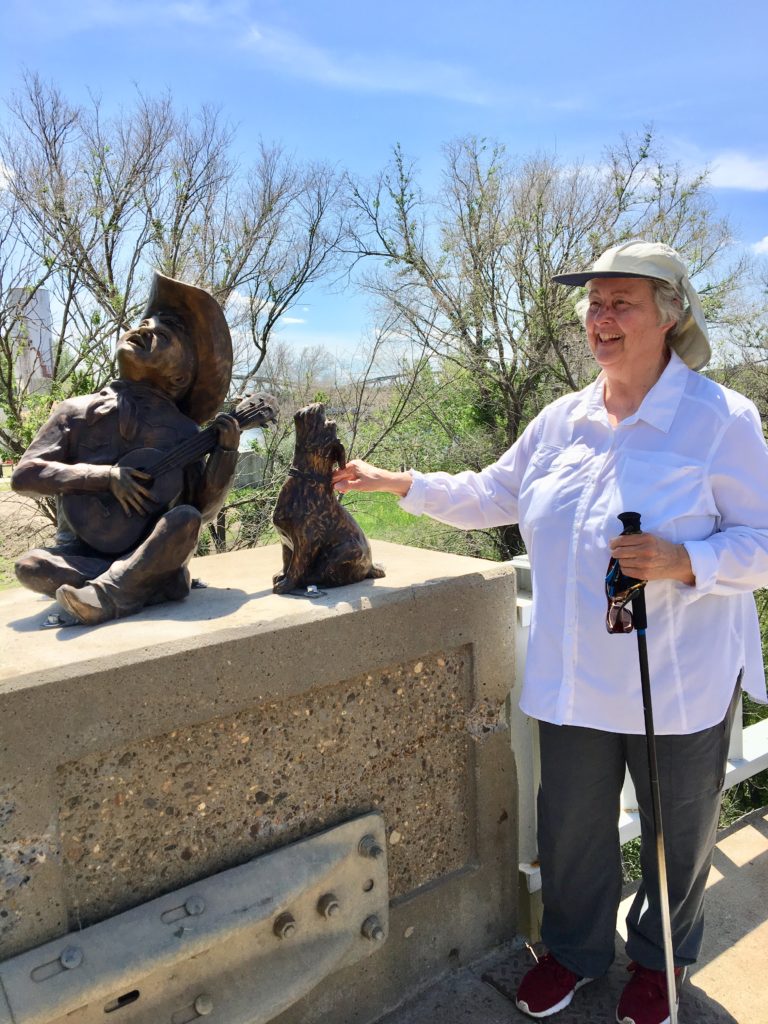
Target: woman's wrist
(401, 483)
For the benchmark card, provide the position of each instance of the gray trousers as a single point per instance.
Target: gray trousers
(582, 773)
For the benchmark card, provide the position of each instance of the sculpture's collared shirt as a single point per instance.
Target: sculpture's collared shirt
(693, 462)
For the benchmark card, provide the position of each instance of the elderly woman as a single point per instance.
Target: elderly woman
(650, 435)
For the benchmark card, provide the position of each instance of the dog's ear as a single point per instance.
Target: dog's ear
(339, 455)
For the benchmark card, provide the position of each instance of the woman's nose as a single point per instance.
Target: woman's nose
(602, 314)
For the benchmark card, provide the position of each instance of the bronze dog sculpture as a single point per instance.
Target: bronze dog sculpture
(322, 543)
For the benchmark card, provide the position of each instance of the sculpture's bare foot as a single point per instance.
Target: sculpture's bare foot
(85, 604)
(283, 585)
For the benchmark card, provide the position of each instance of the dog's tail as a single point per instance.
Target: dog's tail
(376, 572)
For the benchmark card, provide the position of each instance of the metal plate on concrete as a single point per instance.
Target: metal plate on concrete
(596, 1003)
(238, 947)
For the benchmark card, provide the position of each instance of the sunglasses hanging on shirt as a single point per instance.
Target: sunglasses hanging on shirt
(620, 589)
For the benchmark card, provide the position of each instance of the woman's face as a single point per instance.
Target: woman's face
(623, 327)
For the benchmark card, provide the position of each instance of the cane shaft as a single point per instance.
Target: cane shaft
(639, 618)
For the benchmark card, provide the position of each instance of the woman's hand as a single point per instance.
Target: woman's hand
(362, 476)
(647, 557)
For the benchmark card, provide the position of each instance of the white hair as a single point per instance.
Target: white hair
(669, 299)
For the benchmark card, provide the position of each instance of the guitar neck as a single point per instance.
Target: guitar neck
(187, 452)
(196, 447)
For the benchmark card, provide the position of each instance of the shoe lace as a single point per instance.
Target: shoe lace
(654, 982)
(554, 967)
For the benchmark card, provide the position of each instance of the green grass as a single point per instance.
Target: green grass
(7, 575)
(381, 518)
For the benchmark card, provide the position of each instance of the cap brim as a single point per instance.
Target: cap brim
(590, 275)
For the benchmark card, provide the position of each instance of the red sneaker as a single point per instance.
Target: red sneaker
(644, 999)
(547, 988)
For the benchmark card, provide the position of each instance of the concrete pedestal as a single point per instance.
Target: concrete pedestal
(141, 755)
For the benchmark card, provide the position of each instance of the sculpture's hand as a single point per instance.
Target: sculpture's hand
(228, 430)
(126, 485)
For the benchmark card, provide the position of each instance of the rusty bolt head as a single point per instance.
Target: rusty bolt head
(195, 905)
(328, 905)
(71, 957)
(284, 926)
(369, 847)
(372, 929)
(203, 1004)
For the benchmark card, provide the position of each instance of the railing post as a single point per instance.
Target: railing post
(736, 748)
(524, 736)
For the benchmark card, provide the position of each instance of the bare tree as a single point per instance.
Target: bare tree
(90, 204)
(742, 351)
(468, 271)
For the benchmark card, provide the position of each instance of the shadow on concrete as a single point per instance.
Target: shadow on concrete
(725, 980)
(219, 603)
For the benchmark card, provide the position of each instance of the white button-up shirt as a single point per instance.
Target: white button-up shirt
(693, 462)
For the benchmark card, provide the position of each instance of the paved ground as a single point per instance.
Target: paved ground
(726, 987)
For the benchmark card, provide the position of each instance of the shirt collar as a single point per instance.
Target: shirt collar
(658, 408)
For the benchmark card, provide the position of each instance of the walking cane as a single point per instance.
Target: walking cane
(621, 590)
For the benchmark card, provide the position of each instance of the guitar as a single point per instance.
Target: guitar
(99, 519)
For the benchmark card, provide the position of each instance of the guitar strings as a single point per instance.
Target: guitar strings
(198, 445)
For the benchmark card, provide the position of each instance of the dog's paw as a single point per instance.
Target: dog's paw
(282, 584)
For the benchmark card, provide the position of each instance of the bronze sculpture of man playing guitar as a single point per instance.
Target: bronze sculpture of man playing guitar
(125, 541)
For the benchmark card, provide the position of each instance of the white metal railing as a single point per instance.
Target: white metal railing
(747, 755)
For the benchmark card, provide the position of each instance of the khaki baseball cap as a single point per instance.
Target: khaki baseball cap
(638, 258)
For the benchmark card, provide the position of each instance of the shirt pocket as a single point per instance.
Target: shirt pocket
(672, 495)
(553, 481)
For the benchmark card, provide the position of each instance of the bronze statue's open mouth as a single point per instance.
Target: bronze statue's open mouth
(137, 340)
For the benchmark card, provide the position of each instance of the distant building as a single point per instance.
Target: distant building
(31, 337)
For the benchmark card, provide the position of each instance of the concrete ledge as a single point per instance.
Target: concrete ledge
(150, 752)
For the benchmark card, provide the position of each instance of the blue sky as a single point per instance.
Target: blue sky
(342, 82)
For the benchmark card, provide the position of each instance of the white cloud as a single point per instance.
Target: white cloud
(364, 71)
(729, 168)
(230, 22)
(761, 247)
(739, 170)
(292, 320)
(238, 303)
(195, 13)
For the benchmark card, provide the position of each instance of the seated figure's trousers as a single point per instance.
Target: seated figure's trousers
(153, 572)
